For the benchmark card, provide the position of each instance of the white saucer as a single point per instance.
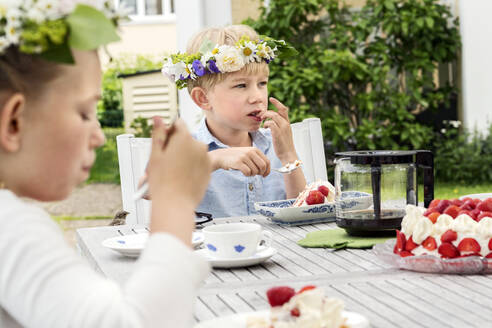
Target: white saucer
(262, 254)
(132, 245)
(238, 320)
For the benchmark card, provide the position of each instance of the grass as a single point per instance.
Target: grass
(58, 219)
(106, 168)
(446, 190)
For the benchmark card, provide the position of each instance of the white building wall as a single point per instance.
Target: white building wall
(476, 34)
(191, 17)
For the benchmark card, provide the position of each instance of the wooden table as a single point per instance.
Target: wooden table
(386, 296)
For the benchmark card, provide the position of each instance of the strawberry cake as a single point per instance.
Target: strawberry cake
(308, 307)
(447, 229)
(318, 192)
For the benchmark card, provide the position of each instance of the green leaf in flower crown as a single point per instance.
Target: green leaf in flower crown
(207, 46)
(59, 53)
(90, 28)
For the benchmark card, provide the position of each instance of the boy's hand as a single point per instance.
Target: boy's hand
(249, 160)
(279, 124)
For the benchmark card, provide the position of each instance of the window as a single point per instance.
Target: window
(149, 10)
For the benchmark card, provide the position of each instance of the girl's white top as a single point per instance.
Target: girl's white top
(45, 283)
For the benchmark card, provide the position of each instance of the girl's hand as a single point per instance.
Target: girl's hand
(249, 160)
(178, 167)
(279, 124)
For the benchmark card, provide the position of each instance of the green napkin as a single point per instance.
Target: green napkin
(338, 239)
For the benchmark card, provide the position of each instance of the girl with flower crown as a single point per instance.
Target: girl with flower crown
(226, 73)
(50, 81)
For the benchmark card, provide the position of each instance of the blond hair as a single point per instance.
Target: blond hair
(227, 35)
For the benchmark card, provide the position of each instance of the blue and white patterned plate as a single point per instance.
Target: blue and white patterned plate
(281, 211)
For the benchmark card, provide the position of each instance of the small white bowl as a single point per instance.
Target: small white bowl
(281, 211)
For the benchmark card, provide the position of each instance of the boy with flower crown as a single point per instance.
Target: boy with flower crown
(226, 73)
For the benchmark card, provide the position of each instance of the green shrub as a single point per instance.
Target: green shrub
(110, 107)
(365, 73)
(462, 157)
(142, 127)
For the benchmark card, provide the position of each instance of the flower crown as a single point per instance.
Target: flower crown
(50, 28)
(212, 59)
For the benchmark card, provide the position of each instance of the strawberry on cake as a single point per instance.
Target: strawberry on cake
(307, 308)
(447, 229)
(318, 192)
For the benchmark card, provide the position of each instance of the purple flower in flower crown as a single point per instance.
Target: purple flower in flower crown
(198, 68)
(212, 67)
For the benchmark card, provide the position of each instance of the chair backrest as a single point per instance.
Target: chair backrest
(133, 154)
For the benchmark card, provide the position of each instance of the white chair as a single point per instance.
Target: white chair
(133, 154)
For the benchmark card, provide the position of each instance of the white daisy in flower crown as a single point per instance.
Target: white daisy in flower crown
(214, 59)
(50, 28)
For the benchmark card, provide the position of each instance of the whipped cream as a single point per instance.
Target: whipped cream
(314, 308)
(419, 227)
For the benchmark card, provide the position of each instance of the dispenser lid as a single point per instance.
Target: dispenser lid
(379, 157)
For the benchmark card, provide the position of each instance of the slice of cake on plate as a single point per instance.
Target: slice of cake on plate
(309, 307)
(318, 192)
(447, 229)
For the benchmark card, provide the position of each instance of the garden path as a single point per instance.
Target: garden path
(96, 199)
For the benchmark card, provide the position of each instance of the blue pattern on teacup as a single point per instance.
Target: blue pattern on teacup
(121, 241)
(239, 248)
(212, 247)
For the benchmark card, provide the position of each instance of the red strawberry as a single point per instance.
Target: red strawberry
(443, 204)
(490, 244)
(447, 250)
(324, 190)
(449, 236)
(405, 253)
(430, 210)
(315, 197)
(471, 254)
(468, 205)
(395, 249)
(429, 243)
(456, 202)
(467, 212)
(469, 245)
(400, 240)
(434, 203)
(295, 312)
(486, 205)
(277, 296)
(475, 213)
(452, 211)
(433, 217)
(476, 201)
(484, 215)
(489, 256)
(305, 288)
(410, 244)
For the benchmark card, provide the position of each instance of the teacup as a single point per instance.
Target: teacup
(234, 240)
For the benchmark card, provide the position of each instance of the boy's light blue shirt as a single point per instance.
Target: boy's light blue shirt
(230, 192)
